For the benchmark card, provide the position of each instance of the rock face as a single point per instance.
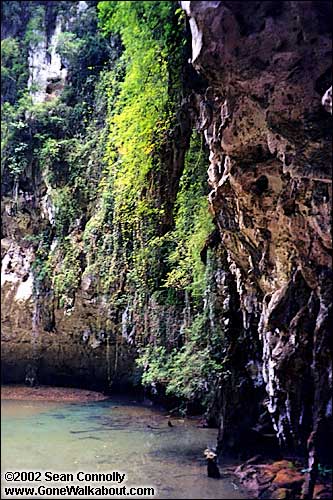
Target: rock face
(47, 72)
(265, 118)
(259, 91)
(78, 344)
(279, 480)
(85, 335)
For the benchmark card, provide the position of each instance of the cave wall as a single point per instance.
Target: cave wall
(265, 117)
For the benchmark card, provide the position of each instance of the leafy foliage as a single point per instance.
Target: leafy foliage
(190, 373)
(14, 73)
(193, 224)
(58, 141)
(35, 27)
(68, 275)
(143, 91)
(101, 150)
(41, 265)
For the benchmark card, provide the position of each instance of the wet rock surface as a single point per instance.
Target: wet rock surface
(70, 345)
(279, 480)
(265, 116)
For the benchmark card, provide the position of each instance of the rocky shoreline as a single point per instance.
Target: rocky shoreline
(47, 393)
(283, 479)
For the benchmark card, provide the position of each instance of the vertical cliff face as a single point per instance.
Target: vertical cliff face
(83, 242)
(53, 57)
(265, 117)
(109, 251)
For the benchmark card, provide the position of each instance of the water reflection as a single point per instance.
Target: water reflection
(111, 436)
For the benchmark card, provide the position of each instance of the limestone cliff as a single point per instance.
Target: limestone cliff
(107, 244)
(265, 116)
(55, 344)
(71, 314)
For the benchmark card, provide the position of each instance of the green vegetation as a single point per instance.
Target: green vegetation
(143, 106)
(164, 265)
(68, 274)
(59, 140)
(13, 69)
(102, 151)
(15, 137)
(35, 27)
(142, 93)
(41, 265)
(192, 372)
(193, 224)
(14, 51)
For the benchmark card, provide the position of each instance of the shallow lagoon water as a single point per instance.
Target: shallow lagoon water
(112, 435)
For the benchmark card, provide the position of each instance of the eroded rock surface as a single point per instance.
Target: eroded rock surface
(279, 480)
(265, 118)
(262, 103)
(76, 344)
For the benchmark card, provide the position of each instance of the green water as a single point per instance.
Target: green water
(112, 436)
